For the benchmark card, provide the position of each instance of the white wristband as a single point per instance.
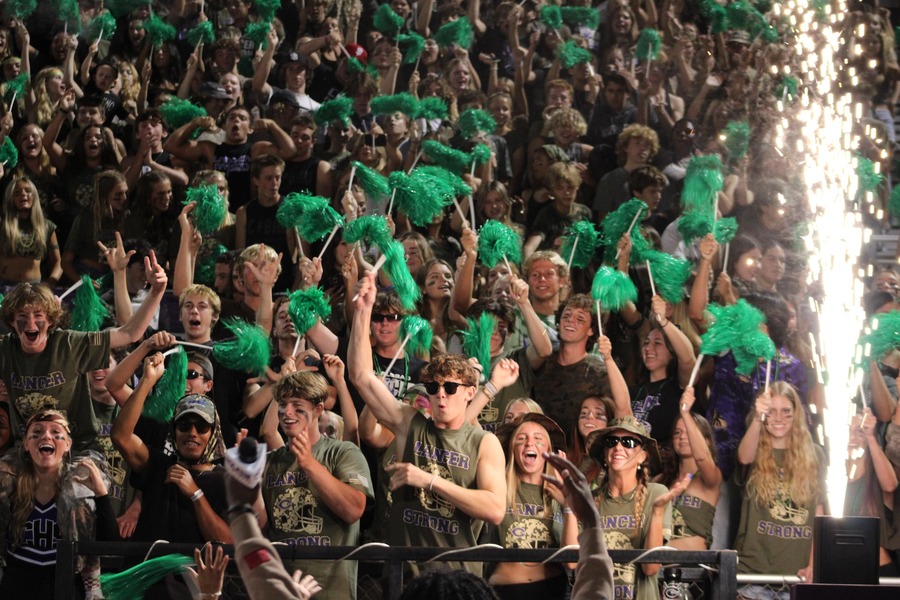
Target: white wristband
(197, 495)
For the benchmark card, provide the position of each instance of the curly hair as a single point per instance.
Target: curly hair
(567, 117)
(35, 296)
(640, 132)
(450, 365)
(799, 470)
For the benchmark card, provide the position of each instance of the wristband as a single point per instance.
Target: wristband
(663, 325)
(197, 495)
(236, 510)
(490, 390)
(567, 511)
(431, 484)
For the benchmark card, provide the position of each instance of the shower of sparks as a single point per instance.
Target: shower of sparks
(822, 128)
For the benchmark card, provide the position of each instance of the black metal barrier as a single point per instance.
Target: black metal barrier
(721, 564)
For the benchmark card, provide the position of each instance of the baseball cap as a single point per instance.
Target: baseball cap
(211, 89)
(196, 404)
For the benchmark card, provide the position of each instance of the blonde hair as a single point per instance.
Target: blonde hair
(567, 117)
(208, 294)
(563, 172)
(129, 92)
(12, 232)
(104, 183)
(512, 471)
(43, 106)
(800, 468)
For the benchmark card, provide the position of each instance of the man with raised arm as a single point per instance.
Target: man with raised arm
(450, 474)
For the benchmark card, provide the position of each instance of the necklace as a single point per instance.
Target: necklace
(405, 383)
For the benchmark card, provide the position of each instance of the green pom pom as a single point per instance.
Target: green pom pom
(496, 241)
(715, 14)
(210, 210)
(412, 45)
(756, 346)
(616, 223)
(737, 139)
(120, 8)
(307, 307)
(88, 310)
(648, 45)
(158, 31)
(869, 178)
(763, 6)
(290, 212)
(249, 351)
(15, 87)
(403, 102)
(319, 219)
(9, 154)
(702, 182)
(669, 274)
(787, 89)
(480, 154)
(374, 183)
(104, 24)
(68, 12)
(266, 9)
(581, 15)
(613, 289)
(160, 405)
(431, 108)
(770, 35)
(178, 113)
(371, 229)
(134, 582)
(581, 254)
(451, 159)
(571, 54)
(736, 328)
(397, 271)
(820, 7)
(441, 181)
(338, 109)
(551, 16)
(19, 9)
(884, 337)
(386, 21)
(694, 225)
(476, 340)
(203, 33)
(420, 203)
(894, 202)
(258, 33)
(420, 335)
(205, 269)
(454, 33)
(725, 230)
(474, 121)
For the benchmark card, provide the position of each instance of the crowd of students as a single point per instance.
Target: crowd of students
(445, 446)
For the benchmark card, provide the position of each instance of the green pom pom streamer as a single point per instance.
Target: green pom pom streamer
(613, 289)
(370, 229)
(669, 274)
(736, 328)
(249, 351)
(895, 201)
(203, 33)
(648, 45)
(120, 8)
(404, 102)
(786, 89)
(104, 25)
(431, 108)
(451, 159)
(307, 307)
(205, 269)
(397, 271)
(19, 9)
(290, 212)
(497, 242)
(266, 9)
(480, 154)
(474, 121)
(702, 181)
(571, 54)
(737, 139)
(15, 88)
(476, 340)
(455, 33)
(134, 583)
(581, 15)
(88, 310)
(616, 224)
(319, 219)
(69, 13)
(412, 45)
(9, 154)
(338, 109)
(551, 16)
(725, 229)
(715, 14)
(386, 21)
(160, 405)
(441, 177)
(869, 178)
(694, 225)
(158, 31)
(420, 335)
(419, 203)
(178, 113)
(210, 210)
(580, 244)
(884, 337)
(258, 33)
(374, 183)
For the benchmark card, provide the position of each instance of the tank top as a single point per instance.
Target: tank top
(234, 161)
(300, 176)
(692, 516)
(263, 228)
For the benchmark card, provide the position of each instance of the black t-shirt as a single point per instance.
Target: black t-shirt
(656, 404)
(167, 513)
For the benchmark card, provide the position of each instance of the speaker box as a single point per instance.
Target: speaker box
(846, 550)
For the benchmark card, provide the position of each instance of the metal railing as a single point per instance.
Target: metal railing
(720, 564)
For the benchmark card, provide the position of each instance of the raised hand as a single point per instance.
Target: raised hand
(574, 487)
(156, 275)
(154, 366)
(116, 257)
(505, 373)
(210, 570)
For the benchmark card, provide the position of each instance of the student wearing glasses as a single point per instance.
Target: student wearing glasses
(634, 513)
(449, 473)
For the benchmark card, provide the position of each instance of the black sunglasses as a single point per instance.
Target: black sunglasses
(185, 425)
(382, 318)
(626, 441)
(432, 387)
(192, 374)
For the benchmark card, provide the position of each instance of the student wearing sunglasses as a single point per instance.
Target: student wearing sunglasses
(634, 513)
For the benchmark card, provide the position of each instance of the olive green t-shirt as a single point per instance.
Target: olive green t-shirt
(621, 533)
(60, 371)
(121, 493)
(530, 524)
(298, 515)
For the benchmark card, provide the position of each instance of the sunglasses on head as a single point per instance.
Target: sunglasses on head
(383, 318)
(185, 425)
(192, 374)
(450, 387)
(626, 441)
